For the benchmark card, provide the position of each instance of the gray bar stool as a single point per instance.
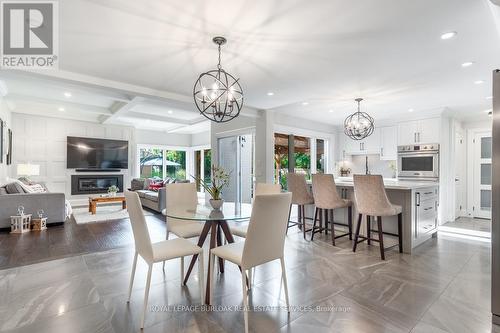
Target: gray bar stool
(327, 199)
(372, 200)
(301, 197)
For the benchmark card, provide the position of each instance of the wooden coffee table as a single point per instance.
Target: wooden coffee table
(93, 201)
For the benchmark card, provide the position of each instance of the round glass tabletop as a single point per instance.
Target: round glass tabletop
(229, 212)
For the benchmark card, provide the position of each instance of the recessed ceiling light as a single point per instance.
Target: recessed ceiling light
(448, 35)
(490, 114)
(331, 111)
(270, 93)
(170, 111)
(67, 94)
(467, 64)
(489, 97)
(305, 103)
(61, 109)
(410, 110)
(479, 82)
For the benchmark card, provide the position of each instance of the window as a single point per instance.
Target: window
(280, 159)
(151, 163)
(175, 162)
(302, 155)
(207, 158)
(320, 156)
(202, 166)
(293, 153)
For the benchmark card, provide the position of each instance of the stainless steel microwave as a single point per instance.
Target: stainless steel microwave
(418, 161)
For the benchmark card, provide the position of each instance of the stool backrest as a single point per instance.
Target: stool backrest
(325, 191)
(265, 238)
(298, 186)
(370, 194)
(139, 227)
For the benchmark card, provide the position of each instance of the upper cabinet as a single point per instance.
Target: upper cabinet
(388, 143)
(419, 131)
(369, 145)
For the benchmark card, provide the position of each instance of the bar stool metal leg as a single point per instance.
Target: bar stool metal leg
(333, 229)
(356, 235)
(380, 237)
(400, 232)
(369, 229)
(349, 221)
(316, 210)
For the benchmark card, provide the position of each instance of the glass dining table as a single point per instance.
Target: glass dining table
(215, 223)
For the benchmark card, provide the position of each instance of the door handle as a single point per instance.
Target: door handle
(382, 151)
(418, 198)
(415, 137)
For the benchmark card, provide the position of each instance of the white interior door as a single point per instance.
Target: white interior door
(482, 175)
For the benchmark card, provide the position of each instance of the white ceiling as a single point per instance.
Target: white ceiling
(323, 52)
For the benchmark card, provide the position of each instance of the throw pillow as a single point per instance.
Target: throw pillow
(14, 188)
(26, 181)
(137, 184)
(37, 188)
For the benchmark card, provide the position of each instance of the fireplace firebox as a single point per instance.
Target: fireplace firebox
(95, 184)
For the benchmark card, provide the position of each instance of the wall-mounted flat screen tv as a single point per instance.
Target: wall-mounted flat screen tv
(90, 153)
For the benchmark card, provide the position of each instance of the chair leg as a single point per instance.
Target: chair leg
(211, 277)
(166, 237)
(134, 265)
(146, 294)
(299, 212)
(245, 299)
(369, 228)
(303, 216)
(316, 210)
(285, 283)
(400, 232)
(356, 235)
(380, 237)
(349, 221)
(200, 278)
(327, 218)
(182, 271)
(333, 230)
(250, 271)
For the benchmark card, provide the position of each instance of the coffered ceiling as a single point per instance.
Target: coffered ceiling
(313, 57)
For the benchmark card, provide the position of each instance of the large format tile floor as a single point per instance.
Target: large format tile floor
(443, 287)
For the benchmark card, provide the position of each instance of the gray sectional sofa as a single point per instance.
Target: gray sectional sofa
(155, 200)
(53, 205)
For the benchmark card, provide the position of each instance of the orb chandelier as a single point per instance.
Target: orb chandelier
(358, 125)
(217, 94)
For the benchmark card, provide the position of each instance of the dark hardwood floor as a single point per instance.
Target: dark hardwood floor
(71, 239)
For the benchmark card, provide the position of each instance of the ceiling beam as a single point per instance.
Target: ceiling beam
(57, 103)
(121, 108)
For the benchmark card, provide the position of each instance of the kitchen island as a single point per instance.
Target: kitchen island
(419, 199)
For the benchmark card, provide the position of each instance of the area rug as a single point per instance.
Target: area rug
(103, 214)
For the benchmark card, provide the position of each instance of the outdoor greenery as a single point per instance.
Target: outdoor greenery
(151, 163)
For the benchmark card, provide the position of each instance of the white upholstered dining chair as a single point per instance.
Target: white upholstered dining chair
(156, 252)
(182, 195)
(260, 189)
(265, 241)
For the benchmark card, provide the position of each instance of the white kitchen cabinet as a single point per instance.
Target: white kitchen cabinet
(419, 131)
(429, 131)
(388, 143)
(369, 145)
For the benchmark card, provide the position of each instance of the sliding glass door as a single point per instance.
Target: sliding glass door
(236, 156)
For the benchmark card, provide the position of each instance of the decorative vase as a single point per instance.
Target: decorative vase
(112, 194)
(216, 204)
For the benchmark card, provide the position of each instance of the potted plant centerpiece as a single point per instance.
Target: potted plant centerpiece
(112, 190)
(220, 179)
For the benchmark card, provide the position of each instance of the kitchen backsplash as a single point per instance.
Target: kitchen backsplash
(375, 165)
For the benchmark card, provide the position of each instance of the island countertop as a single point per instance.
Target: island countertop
(391, 183)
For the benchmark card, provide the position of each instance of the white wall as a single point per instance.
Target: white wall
(42, 140)
(5, 115)
(148, 137)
